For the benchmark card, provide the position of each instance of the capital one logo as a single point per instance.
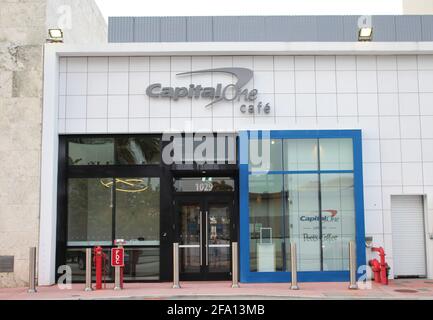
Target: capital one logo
(234, 92)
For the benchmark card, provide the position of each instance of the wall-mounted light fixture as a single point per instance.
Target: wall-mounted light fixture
(55, 36)
(365, 34)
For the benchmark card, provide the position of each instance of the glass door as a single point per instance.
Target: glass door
(205, 232)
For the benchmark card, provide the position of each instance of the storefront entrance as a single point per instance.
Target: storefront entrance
(205, 230)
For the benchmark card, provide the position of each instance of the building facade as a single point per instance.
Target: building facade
(23, 32)
(257, 130)
(263, 143)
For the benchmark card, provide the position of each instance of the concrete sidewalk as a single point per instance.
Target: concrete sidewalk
(397, 289)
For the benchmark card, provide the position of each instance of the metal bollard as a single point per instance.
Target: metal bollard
(117, 285)
(235, 269)
(88, 270)
(176, 284)
(293, 257)
(352, 265)
(32, 270)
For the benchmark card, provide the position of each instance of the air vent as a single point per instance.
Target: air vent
(6, 264)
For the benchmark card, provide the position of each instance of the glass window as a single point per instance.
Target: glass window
(89, 212)
(91, 151)
(300, 154)
(317, 211)
(266, 222)
(140, 150)
(266, 155)
(141, 264)
(338, 219)
(303, 225)
(137, 210)
(336, 154)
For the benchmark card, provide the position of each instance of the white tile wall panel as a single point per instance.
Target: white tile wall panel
(76, 107)
(407, 81)
(283, 63)
(118, 64)
(347, 104)
(304, 63)
(346, 81)
(77, 64)
(390, 150)
(76, 83)
(409, 104)
(99, 126)
(118, 83)
(305, 82)
(367, 81)
(407, 62)
(412, 174)
(118, 125)
(427, 150)
(425, 62)
(426, 104)
(372, 174)
(284, 81)
(387, 81)
(97, 107)
(97, 83)
(345, 62)
(97, 64)
(410, 127)
(139, 64)
(386, 62)
(411, 150)
(325, 82)
(368, 104)
(388, 104)
(326, 105)
(425, 81)
(371, 151)
(391, 174)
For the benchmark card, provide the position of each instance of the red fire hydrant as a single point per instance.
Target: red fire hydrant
(375, 267)
(99, 257)
(383, 265)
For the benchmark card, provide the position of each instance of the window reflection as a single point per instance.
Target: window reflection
(315, 210)
(138, 150)
(266, 220)
(137, 210)
(89, 212)
(91, 151)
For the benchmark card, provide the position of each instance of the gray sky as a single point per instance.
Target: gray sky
(246, 7)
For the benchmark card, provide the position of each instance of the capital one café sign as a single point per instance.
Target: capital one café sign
(230, 92)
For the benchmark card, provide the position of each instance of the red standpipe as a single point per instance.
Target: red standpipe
(375, 267)
(98, 256)
(383, 265)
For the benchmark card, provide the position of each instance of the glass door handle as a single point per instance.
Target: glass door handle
(201, 238)
(207, 239)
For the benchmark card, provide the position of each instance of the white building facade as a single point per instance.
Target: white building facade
(380, 92)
